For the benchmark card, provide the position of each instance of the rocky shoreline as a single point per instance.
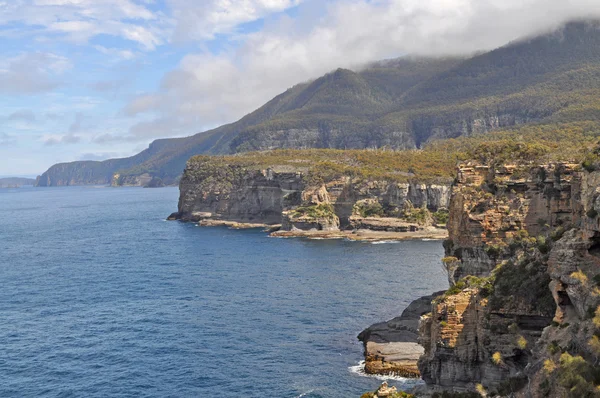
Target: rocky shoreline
(391, 347)
(361, 235)
(295, 203)
(365, 235)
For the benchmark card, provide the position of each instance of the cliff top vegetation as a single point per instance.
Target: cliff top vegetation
(436, 162)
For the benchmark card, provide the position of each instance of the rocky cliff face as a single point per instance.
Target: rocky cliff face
(391, 347)
(282, 195)
(523, 265)
(67, 174)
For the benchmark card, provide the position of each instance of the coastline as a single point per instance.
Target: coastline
(391, 347)
(365, 235)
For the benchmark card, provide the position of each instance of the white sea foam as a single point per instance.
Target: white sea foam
(383, 242)
(304, 394)
(360, 370)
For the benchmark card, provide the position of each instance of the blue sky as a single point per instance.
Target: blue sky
(91, 79)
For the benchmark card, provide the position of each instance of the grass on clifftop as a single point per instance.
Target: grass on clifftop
(436, 162)
(328, 164)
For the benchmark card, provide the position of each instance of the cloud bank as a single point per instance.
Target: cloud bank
(207, 89)
(146, 69)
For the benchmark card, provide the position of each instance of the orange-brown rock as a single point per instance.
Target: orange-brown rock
(530, 235)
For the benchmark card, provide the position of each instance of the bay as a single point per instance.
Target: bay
(101, 297)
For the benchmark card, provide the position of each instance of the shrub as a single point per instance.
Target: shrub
(592, 213)
(596, 318)
(323, 210)
(521, 342)
(549, 366)
(449, 259)
(594, 344)
(497, 358)
(441, 217)
(543, 245)
(580, 277)
(369, 209)
(553, 347)
(456, 288)
(558, 233)
(577, 375)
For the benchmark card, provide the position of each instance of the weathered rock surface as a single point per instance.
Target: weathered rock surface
(522, 254)
(280, 195)
(391, 347)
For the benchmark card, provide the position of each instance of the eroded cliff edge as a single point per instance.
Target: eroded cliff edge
(308, 197)
(521, 317)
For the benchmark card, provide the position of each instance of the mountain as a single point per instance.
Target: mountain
(397, 104)
(15, 182)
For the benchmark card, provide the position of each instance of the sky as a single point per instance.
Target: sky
(98, 79)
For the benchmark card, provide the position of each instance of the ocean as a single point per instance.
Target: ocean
(101, 297)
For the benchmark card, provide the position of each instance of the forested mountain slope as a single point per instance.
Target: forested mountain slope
(549, 80)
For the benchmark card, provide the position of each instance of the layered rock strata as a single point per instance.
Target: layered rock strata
(391, 347)
(280, 195)
(520, 318)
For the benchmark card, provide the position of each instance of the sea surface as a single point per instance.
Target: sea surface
(100, 297)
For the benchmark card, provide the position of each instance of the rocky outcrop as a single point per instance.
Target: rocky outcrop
(237, 193)
(391, 347)
(210, 190)
(522, 259)
(142, 180)
(77, 173)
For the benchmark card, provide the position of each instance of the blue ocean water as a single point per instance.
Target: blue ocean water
(100, 296)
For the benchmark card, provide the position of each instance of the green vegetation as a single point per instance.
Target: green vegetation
(524, 283)
(485, 286)
(535, 100)
(369, 209)
(441, 217)
(577, 376)
(416, 215)
(323, 165)
(320, 211)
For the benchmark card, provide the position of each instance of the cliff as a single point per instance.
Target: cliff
(399, 104)
(520, 318)
(391, 347)
(297, 190)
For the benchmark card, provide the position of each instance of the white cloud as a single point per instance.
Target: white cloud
(54, 139)
(79, 20)
(117, 53)
(206, 90)
(201, 22)
(32, 73)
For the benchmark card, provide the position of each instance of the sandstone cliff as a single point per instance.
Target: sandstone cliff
(391, 348)
(522, 259)
(300, 200)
